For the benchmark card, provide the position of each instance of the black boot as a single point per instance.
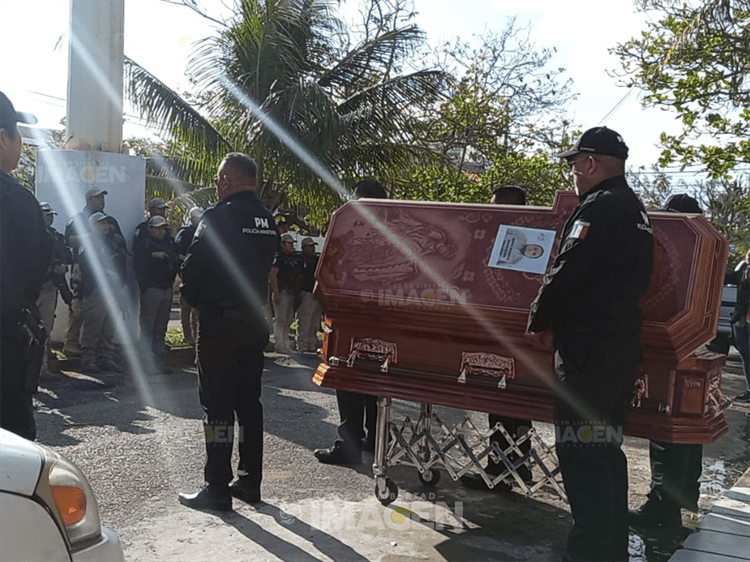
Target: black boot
(655, 515)
(476, 482)
(243, 491)
(208, 498)
(338, 455)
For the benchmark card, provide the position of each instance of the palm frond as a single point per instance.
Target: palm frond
(367, 61)
(164, 109)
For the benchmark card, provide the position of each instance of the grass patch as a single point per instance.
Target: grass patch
(175, 338)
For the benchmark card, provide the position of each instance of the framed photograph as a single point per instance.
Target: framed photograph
(522, 249)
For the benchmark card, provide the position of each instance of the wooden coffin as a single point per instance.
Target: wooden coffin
(428, 302)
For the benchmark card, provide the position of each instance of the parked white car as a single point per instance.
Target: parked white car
(47, 509)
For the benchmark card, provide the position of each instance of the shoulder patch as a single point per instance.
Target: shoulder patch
(580, 230)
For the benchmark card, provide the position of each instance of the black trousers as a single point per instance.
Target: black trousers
(16, 403)
(230, 383)
(675, 470)
(597, 372)
(516, 427)
(359, 415)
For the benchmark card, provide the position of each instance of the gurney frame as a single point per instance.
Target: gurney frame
(430, 444)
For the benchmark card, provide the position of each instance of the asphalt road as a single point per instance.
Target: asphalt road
(139, 441)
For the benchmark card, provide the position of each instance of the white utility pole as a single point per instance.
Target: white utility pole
(94, 120)
(92, 152)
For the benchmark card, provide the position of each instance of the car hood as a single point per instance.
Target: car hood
(20, 463)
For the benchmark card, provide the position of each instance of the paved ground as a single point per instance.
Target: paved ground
(139, 440)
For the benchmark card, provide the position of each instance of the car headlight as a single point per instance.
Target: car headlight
(67, 492)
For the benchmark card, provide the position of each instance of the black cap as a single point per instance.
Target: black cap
(369, 189)
(9, 116)
(681, 203)
(599, 140)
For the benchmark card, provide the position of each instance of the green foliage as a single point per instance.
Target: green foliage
(25, 172)
(290, 61)
(694, 59)
(175, 338)
(500, 124)
(537, 174)
(167, 176)
(487, 116)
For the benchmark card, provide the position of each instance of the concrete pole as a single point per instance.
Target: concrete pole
(95, 68)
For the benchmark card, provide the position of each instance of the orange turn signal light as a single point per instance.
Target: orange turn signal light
(70, 502)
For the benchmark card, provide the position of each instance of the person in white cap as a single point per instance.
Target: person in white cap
(309, 313)
(76, 229)
(155, 263)
(25, 253)
(102, 273)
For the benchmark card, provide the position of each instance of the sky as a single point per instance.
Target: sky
(160, 37)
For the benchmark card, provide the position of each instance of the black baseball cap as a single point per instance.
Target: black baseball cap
(682, 203)
(599, 140)
(9, 116)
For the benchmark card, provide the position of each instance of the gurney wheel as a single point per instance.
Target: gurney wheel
(385, 490)
(430, 477)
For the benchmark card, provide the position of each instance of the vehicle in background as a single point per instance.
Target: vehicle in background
(723, 339)
(47, 508)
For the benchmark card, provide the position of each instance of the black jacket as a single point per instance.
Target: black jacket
(743, 292)
(61, 253)
(603, 266)
(225, 274)
(96, 254)
(184, 238)
(25, 249)
(152, 272)
(291, 275)
(79, 226)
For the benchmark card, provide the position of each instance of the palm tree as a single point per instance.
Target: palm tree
(282, 58)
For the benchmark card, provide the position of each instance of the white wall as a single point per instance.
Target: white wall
(62, 179)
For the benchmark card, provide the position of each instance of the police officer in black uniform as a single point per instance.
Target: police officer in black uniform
(182, 241)
(54, 280)
(589, 300)
(225, 275)
(157, 207)
(358, 412)
(675, 467)
(25, 255)
(516, 427)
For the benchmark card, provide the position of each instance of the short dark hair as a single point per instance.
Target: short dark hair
(369, 189)
(509, 195)
(242, 163)
(11, 131)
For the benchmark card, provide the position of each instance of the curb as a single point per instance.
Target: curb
(724, 534)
